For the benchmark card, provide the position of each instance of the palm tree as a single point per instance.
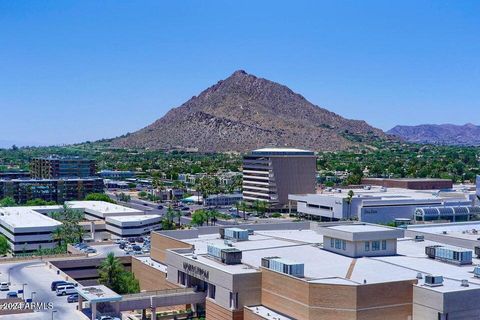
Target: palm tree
(349, 201)
(178, 214)
(110, 271)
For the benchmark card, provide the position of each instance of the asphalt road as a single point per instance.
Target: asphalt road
(38, 278)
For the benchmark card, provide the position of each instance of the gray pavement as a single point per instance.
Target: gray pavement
(38, 278)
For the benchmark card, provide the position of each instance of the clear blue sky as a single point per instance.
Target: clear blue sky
(72, 71)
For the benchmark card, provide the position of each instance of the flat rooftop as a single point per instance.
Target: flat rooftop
(136, 218)
(102, 207)
(98, 294)
(463, 230)
(359, 228)
(380, 193)
(322, 266)
(281, 152)
(25, 217)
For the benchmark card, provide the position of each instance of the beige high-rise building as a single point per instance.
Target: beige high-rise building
(271, 174)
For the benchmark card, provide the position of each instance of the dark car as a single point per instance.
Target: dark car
(55, 284)
(160, 207)
(72, 298)
(131, 240)
(145, 204)
(140, 239)
(122, 246)
(136, 248)
(12, 294)
(185, 209)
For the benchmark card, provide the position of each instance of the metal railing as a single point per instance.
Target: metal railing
(157, 293)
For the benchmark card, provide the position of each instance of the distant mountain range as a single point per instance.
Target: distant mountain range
(445, 134)
(244, 112)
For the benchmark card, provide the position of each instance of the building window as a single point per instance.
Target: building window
(344, 245)
(338, 244)
(211, 291)
(367, 246)
(181, 278)
(331, 242)
(384, 244)
(375, 245)
(233, 300)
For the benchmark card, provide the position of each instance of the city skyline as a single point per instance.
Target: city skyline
(388, 64)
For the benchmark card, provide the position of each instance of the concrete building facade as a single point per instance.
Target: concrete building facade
(270, 175)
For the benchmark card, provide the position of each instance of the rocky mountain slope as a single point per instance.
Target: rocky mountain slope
(447, 134)
(244, 112)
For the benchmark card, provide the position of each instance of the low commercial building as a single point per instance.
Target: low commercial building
(116, 174)
(99, 210)
(58, 190)
(410, 183)
(132, 226)
(53, 167)
(26, 229)
(219, 200)
(375, 204)
(290, 272)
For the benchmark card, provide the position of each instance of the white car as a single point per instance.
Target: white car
(66, 290)
(4, 286)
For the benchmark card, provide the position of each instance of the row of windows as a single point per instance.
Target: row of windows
(376, 245)
(338, 244)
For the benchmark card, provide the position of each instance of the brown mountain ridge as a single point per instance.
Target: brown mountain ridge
(244, 112)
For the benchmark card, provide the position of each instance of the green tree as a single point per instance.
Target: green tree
(199, 217)
(142, 194)
(98, 197)
(113, 275)
(70, 231)
(39, 202)
(4, 247)
(7, 202)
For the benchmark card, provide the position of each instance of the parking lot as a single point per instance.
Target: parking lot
(36, 278)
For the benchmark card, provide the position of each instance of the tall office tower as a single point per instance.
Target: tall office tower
(272, 174)
(53, 167)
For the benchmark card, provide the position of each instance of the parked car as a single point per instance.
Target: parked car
(55, 284)
(122, 246)
(66, 290)
(160, 207)
(140, 239)
(72, 298)
(90, 250)
(4, 286)
(145, 250)
(136, 248)
(12, 294)
(131, 240)
(81, 246)
(145, 204)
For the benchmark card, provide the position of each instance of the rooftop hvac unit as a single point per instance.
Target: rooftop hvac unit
(222, 233)
(236, 234)
(477, 252)
(266, 261)
(430, 251)
(419, 276)
(419, 238)
(476, 272)
(433, 281)
(231, 256)
(291, 268)
(458, 256)
(464, 283)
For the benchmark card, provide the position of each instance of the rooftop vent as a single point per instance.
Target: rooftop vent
(236, 234)
(419, 276)
(280, 265)
(464, 283)
(433, 281)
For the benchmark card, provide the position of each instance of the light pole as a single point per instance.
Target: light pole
(31, 296)
(53, 312)
(23, 290)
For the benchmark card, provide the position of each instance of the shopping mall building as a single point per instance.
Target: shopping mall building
(296, 270)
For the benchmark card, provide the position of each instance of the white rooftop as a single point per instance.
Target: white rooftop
(267, 313)
(322, 266)
(98, 294)
(101, 207)
(25, 217)
(360, 228)
(135, 218)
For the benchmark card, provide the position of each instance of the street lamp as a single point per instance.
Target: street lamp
(31, 296)
(23, 290)
(53, 311)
